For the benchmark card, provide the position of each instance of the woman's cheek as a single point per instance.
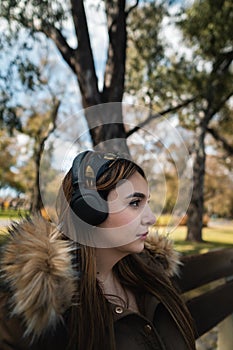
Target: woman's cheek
(123, 218)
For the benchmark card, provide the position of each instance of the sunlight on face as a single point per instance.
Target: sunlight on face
(129, 215)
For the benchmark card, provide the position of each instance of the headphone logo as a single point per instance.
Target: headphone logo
(89, 176)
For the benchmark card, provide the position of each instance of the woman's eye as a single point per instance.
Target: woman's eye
(135, 203)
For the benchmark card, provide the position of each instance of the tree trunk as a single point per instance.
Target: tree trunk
(104, 117)
(40, 139)
(106, 129)
(196, 207)
(37, 203)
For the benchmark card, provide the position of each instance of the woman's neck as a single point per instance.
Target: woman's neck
(106, 258)
(109, 284)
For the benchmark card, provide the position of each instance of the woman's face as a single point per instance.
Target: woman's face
(130, 216)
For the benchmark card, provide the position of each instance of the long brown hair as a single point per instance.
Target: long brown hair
(91, 322)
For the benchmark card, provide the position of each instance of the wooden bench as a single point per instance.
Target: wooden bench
(212, 274)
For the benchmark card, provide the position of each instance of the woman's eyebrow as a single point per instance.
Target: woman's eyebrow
(136, 194)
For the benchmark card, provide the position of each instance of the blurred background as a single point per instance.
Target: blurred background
(154, 64)
(149, 78)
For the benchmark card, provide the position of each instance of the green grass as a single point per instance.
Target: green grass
(3, 235)
(12, 213)
(9, 214)
(214, 238)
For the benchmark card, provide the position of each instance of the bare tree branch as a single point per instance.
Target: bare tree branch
(132, 8)
(220, 70)
(225, 144)
(55, 35)
(220, 105)
(66, 51)
(159, 114)
(54, 114)
(223, 62)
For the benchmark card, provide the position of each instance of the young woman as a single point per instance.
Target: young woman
(97, 280)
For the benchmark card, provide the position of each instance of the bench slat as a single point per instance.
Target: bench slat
(204, 268)
(211, 307)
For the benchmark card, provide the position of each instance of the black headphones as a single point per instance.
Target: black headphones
(86, 202)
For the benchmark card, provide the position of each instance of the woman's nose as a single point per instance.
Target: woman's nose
(148, 216)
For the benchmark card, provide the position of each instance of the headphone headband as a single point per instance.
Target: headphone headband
(88, 166)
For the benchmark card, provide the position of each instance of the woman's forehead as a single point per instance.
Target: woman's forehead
(134, 186)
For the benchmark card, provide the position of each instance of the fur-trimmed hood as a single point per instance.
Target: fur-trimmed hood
(36, 265)
(161, 249)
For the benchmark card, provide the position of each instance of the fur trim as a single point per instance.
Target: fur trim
(37, 266)
(162, 250)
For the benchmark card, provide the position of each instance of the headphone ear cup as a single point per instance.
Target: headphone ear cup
(89, 206)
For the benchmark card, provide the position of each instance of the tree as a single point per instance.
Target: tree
(218, 182)
(194, 84)
(144, 54)
(208, 28)
(19, 76)
(221, 129)
(205, 81)
(38, 127)
(43, 17)
(26, 177)
(218, 194)
(33, 113)
(106, 123)
(8, 160)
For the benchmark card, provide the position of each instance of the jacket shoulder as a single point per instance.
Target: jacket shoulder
(36, 266)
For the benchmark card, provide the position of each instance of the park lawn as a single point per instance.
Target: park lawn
(215, 237)
(12, 214)
(3, 236)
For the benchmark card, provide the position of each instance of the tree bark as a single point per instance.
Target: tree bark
(196, 207)
(37, 203)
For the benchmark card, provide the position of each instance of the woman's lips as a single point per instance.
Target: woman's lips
(143, 235)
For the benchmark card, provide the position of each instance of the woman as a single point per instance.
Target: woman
(99, 281)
